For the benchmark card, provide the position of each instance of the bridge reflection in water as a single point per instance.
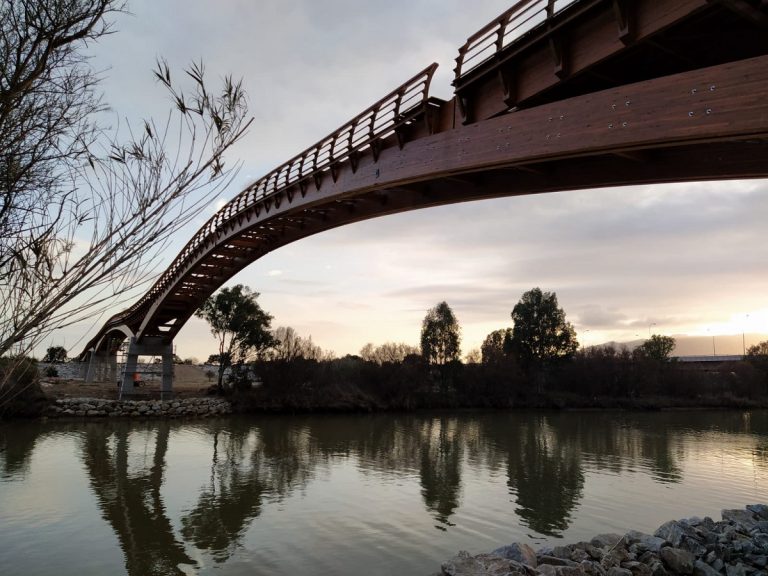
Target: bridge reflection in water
(550, 96)
(238, 485)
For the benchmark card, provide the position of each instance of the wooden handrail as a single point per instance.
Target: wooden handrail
(379, 120)
(502, 31)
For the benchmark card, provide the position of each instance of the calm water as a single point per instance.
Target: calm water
(356, 494)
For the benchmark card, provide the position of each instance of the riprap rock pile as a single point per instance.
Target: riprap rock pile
(735, 546)
(97, 407)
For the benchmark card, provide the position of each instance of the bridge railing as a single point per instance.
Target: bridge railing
(380, 120)
(521, 18)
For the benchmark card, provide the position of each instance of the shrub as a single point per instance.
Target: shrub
(20, 392)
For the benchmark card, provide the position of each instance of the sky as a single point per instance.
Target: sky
(683, 259)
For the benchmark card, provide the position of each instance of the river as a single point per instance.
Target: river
(357, 494)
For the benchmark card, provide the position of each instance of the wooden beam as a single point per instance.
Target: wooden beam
(746, 10)
(622, 9)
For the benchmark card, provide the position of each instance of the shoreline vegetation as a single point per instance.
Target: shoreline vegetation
(591, 380)
(735, 546)
(535, 364)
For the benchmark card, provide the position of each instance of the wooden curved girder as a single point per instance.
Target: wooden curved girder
(705, 124)
(398, 108)
(108, 339)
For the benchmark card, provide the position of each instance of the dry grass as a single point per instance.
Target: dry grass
(189, 381)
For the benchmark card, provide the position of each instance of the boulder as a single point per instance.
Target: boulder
(735, 570)
(553, 570)
(592, 568)
(677, 560)
(555, 561)
(703, 569)
(605, 540)
(742, 519)
(519, 553)
(652, 543)
(657, 567)
(760, 510)
(675, 532)
(464, 564)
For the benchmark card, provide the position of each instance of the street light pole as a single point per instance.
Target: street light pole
(649, 328)
(743, 339)
(743, 344)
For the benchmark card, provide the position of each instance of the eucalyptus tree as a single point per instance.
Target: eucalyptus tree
(541, 333)
(658, 347)
(440, 336)
(239, 325)
(55, 354)
(496, 346)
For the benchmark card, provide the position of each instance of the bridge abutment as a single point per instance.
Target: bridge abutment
(133, 376)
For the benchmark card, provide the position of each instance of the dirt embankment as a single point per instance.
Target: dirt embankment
(189, 381)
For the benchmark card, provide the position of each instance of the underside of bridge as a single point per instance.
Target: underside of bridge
(550, 96)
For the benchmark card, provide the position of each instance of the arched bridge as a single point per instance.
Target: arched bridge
(552, 95)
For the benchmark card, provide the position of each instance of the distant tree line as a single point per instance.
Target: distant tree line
(535, 362)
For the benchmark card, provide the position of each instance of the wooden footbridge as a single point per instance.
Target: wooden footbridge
(552, 95)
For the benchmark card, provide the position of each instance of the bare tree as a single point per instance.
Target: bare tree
(389, 352)
(291, 346)
(87, 213)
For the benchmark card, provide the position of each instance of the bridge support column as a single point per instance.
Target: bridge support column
(148, 347)
(101, 367)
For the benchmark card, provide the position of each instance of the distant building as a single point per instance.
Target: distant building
(709, 358)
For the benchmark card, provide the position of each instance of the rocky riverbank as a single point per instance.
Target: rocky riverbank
(100, 408)
(735, 546)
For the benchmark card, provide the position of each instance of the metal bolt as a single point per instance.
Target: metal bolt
(613, 106)
(557, 135)
(694, 91)
(610, 125)
(623, 124)
(690, 114)
(628, 102)
(709, 110)
(712, 88)
(562, 116)
(550, 119)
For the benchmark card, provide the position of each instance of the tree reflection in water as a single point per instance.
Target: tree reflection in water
(255, 463)
(16, 445)
(440, 470)
(232, 497)
(545, 474)
(249, 463)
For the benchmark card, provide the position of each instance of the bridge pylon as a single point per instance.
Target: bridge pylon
(149, 346)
